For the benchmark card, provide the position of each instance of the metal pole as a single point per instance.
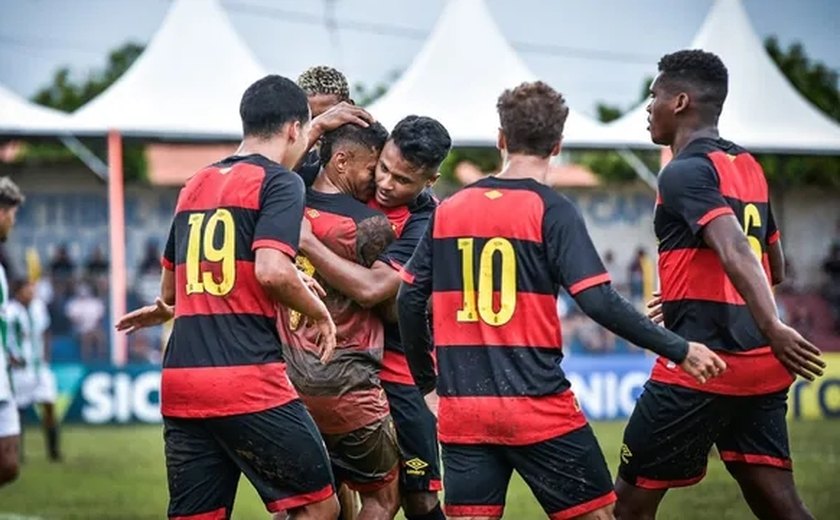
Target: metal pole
(116, 226)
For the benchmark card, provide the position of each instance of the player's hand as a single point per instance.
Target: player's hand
(796, 353)
(325, 337)
(148, 316)
(312, 284)
(655, 308)
(701, 363)
(340, 115)
(432, 401)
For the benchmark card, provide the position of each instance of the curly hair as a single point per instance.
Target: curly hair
(422, 141)
(372, 137)
(10, 194)
(532, 117)
(702, 73)
(324, 80)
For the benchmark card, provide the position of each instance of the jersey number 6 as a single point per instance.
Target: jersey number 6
(483, 306)
(199, 281)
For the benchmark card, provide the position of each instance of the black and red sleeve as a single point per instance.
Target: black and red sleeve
(282, 199)
(573, 258)
(167, 261)
(690, 188)
(773, 234)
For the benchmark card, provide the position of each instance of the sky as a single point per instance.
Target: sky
(591, 50)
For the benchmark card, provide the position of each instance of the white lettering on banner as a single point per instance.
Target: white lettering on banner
(119, 398)
(607, 395)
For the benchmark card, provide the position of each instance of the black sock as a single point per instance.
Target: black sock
(434, 514)
(20, 438)
(52, 443)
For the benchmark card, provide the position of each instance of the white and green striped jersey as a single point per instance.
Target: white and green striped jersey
(5, 385)
(26, 328)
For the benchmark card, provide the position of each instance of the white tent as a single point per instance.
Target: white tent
(20, 117)
(458, 75)
(187, 83)
(763, 111)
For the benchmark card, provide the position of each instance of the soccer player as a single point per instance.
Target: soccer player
(715, 229)
(493, 259)
(325, 87)
(33, 381)
(407, 168)
(10, 199)
(227, 403)
(344, 395)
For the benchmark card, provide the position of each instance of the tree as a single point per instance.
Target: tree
(66, 95)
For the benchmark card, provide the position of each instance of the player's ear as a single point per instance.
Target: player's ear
(681, 102)
(501, 143)
(430, 181)
(555, 150)
(339, 159)
(292, 131)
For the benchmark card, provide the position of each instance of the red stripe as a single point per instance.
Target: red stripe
(484, 510)
(406, 276)
(348, 412)
(216, 514)
(220, 391)
(395, 368)
(167, 264)
(238, 187)
(713, 214)
(274, 244)
(370, 487)
(397, 216)
(586, 507)
(246, 297)
(696, 274)
(435, 485)
(751, 458)
(753, 372)
(511, 421)
(741, 177)
(469, 213)
(649, 483)
(774, 237)
(296, 501)
(586, 283)
(534, 322)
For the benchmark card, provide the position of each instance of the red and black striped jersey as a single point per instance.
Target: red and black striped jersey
(409, 223)
(224, 354)
(708, 179)
(344, 394)
(494, 257)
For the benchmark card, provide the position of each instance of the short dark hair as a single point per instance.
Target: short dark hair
(532, 116)
(10, 194)
(374, 136)
(270, 103)
(422, 141)
(324, 80)
(702, 72)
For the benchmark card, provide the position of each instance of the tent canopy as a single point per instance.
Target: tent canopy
(763, 111)
(458, 75)
(20, 117)
(187, 84)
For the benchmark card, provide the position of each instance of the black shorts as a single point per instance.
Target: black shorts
(672, 430)
(567, 474)
(365, 459)
(417, 437)
(279, 451)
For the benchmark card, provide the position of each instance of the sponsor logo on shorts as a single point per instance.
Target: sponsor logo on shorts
(416, 467)
(626, 454)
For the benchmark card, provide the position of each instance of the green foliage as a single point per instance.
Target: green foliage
(485, 159)
(65, 94)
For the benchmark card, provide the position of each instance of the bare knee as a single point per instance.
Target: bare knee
(419, 503)
(9, 470)
(382, 503)
(325, 509)
(636, 503)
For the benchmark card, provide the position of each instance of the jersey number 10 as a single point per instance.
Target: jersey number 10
(482, 306)
(202, 237)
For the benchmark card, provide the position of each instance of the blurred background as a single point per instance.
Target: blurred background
(107, 107)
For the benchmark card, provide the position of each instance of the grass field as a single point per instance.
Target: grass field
(118, 472)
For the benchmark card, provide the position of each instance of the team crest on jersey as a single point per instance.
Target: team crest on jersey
(416, 467)
(312, 213)
(493, 194)
(626, 454)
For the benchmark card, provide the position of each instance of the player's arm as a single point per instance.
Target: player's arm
(725, 236)
(579, 268)
(412, 310)
(775, 253)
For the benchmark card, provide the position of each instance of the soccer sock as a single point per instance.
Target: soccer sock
(52, 443)
(434, 514)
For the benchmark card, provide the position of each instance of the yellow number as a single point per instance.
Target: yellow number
(507, 293)
(198, 281)
(752, 219)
